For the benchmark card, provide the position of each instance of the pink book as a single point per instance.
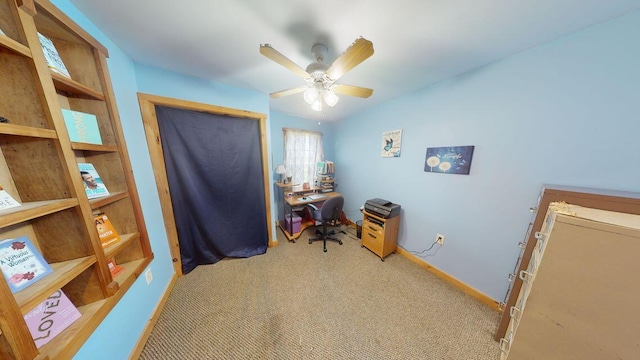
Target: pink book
(50, 317)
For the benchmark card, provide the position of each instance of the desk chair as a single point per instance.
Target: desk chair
(329, 212)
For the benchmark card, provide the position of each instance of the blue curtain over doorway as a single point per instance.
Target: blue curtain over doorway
(214, 170)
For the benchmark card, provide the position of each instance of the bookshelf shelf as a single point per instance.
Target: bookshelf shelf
(7, 43)
(115, 249)
(29, 211)
(106, 200)
(130, 273)
(63, 272)
(93, 147)
(27, 131)
(72, 88)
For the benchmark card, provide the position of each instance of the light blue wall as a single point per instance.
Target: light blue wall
(165, 83)
(563, 113)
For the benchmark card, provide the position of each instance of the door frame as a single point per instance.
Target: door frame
(154, 143)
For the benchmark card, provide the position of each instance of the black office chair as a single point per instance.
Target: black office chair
(328, 213)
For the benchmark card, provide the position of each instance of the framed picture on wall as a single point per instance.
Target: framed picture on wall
(449, 159)
(391, 141)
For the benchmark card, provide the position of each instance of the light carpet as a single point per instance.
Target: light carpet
(297, 302)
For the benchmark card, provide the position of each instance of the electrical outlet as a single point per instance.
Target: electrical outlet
(148, 276)
(440, 239)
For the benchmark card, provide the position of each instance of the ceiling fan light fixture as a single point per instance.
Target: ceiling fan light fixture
(311, 95)
(330, 98)
(321, 77)
(317, 105)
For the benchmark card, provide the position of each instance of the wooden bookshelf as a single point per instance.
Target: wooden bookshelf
(39, 168)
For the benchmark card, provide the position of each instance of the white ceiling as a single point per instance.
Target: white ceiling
(416, 42)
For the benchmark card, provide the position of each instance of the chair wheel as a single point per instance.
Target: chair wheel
(340, 242)
(310, 241)
(325, 249)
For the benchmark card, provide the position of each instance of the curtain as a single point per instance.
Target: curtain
(302, 151)
(214, 169)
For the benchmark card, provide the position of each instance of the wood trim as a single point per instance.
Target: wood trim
(624, 202)
(151, 323)
(148, 103)
(450, 279)
(150, 122)
(192, 105)
(27, 6)
(265, 178)
(105, 78)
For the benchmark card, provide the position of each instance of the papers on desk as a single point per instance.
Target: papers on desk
(312, 197)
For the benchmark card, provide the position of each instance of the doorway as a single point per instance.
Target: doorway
(154, 111)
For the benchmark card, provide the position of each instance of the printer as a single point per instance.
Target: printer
(382, 208)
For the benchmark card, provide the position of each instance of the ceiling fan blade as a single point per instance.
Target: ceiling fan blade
(352, 90)
(273, 54)
(288, 92)
(359, 51)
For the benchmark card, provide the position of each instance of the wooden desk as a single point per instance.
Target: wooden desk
(297, 202)
(298, 189)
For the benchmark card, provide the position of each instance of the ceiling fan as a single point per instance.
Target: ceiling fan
(321, 78)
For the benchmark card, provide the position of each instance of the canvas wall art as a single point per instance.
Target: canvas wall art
(391, 141)
(449, 159)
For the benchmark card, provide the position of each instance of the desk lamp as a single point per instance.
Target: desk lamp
(280, 170)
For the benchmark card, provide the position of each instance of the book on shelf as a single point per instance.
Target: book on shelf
(331, 167)
(325, 168)
(82, 127)
(21, 263)
(114, 268)
(54, 61)
(107, 233)
(6, 200)
(51, 317)
(93, 185)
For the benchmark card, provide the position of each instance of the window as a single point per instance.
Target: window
(302, 151)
